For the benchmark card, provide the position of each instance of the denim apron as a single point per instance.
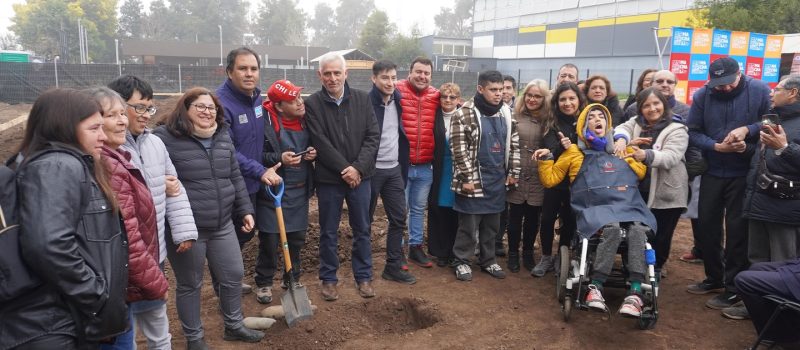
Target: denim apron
(295, 179)
(492, 167)
(606, 191)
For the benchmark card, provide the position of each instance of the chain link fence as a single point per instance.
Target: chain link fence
(23, 82)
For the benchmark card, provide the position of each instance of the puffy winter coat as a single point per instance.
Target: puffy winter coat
(149, 155)
(419, 116)
(213, 181)
(73, 241)
(145, 279)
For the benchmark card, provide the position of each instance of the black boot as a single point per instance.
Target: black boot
(513, 261)
(527, 260)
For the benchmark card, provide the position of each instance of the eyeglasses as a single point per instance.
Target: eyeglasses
(449, 97)
(538, 97)
(140, 109)
(202, 108)
(662, 81)
(778, 88)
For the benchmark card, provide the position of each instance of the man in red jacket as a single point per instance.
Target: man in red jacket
(419, 103)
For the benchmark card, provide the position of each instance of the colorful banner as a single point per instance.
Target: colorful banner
(693, 50)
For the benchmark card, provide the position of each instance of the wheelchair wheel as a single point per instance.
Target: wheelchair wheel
(563, 272)
(647, 320)
(566, 309)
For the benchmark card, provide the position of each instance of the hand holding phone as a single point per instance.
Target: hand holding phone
(298, 154)
(772, 120)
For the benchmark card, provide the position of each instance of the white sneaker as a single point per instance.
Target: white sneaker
(463, 272)
(594, 299)
(631, 307)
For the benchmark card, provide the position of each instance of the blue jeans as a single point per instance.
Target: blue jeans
(420, 178)
(330, 213)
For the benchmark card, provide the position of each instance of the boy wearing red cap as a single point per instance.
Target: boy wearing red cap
(284, 136)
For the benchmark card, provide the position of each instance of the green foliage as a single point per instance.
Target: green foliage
(375, 35)
(157, 23)
(404, 49)
(280, 22)
(50, 27)
(131, 19)
(322, 24)
(456, 22)
(769, 17)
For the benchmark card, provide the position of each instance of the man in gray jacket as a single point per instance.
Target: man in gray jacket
(149, 154)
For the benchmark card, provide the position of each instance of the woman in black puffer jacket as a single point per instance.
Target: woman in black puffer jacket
(199, 145)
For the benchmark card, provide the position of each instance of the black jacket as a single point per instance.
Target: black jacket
(760, 206)
(439, 140)
(213, 182)
(73, 241)
(343, 135)
(566, 125)
(379, 108)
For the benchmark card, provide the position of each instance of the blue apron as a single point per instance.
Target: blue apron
(295, 178)
(446, 195)
(492, 167)
(606, 191)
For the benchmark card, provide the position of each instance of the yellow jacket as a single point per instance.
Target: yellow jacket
(551, 172)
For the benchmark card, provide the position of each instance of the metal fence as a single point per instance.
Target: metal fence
(23, 82)
(623, 81)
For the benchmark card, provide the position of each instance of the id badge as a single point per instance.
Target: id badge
(259, 111)
(242, 118)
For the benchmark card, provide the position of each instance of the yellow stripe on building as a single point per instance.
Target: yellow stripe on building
(596, 23)
(566, 35)
(653, 17)
(534, 29)
(687, 18)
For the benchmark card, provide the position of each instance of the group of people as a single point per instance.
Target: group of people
(121, 197)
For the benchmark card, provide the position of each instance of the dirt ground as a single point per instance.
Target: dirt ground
(439, 312)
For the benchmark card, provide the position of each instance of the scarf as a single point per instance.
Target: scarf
(204, 133)
(652, 130)
(484, 107)
(597, 143)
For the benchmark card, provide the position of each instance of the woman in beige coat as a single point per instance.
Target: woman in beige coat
(659, 139)
(525, 200)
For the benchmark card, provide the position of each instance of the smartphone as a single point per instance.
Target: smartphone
(302, 153)
(772, 120)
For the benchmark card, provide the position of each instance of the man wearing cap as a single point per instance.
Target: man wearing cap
(419, 101)
(724, 122)
(241, 102)
(285, 136)
(391, 167)
(346, 135)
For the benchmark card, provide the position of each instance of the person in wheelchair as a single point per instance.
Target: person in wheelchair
(605, 198)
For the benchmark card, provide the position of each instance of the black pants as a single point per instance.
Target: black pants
(50, 341)
(267, 260)
(556, 204)
(503, 227)
(523, 222)
(721, 199)
(666, 220)
(388, 183)
(442, 228)
(764, 279)
(242, 236)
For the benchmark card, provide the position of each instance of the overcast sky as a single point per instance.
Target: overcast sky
(404, 13)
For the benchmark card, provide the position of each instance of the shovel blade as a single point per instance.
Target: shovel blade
(296, 305)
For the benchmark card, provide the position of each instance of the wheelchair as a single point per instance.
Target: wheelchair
(573, 271)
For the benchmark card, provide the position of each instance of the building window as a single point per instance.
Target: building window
(437, 49)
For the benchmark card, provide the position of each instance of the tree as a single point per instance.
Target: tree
(771, 17)
(9, 41)
(404, 49)
(50, 27)
(280, 22)
(350, 18)
(456, 22)
(131, 19)
(323, 24)
(157, 23)
(376, 33)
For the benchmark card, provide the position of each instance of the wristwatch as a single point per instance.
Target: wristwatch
(780, 150)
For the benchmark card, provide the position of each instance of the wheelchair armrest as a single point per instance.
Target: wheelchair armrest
(783, 302)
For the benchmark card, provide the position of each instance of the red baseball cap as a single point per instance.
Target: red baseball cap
(283, 90)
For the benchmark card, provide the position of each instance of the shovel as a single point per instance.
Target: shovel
(296, 305)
